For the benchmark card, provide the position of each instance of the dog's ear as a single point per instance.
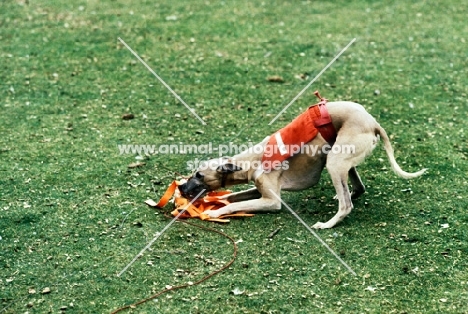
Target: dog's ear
(228, 168)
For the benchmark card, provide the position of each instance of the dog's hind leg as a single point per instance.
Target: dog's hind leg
(338, 171)
(341, 164)
(358, 186)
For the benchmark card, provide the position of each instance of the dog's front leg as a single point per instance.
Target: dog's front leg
(258, 205)
(246, 195)
(267, 202)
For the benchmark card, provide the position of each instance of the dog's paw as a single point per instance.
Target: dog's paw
(321, 225)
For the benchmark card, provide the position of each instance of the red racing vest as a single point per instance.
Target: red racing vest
(289, 140)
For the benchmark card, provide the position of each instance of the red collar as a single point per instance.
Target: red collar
(324, 124)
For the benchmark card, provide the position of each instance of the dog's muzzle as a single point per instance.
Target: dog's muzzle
(193, 187)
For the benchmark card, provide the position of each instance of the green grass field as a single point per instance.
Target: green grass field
(72, 214)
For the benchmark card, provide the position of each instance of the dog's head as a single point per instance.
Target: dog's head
(210, 176)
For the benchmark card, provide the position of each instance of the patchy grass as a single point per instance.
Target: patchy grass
(72, 213)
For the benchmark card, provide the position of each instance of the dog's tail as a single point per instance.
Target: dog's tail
(389, 150)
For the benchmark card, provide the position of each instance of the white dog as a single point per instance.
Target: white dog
(354, 127)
